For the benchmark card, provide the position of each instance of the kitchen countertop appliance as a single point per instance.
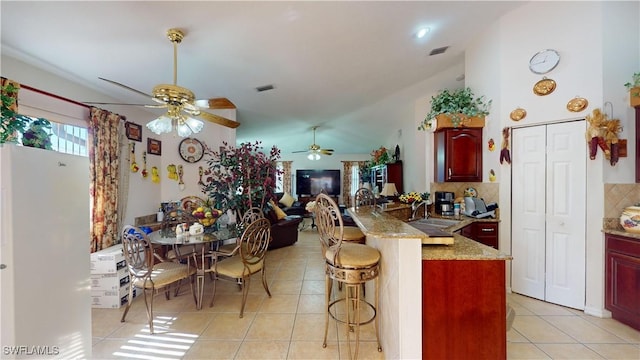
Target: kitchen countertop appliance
(476, 207)
(444, 203)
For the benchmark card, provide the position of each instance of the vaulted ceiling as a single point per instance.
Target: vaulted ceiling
(325, 60)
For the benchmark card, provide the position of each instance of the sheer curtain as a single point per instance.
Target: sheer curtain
(104, 168)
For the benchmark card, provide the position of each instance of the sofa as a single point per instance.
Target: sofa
(284, 231)
(296, 208)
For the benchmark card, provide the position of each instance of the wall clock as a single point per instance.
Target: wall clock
(544, 61)
(191, 150)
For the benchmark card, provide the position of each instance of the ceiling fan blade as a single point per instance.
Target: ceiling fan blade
(299, 151)
(217, 119)
(125, 86)
(326, 152)
(215, 103)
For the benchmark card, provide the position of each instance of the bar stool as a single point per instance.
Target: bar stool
(350, 264)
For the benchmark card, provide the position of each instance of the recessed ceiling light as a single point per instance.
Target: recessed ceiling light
(422, 32)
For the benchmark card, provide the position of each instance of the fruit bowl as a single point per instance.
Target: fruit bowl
(630, 219)
(206, 216)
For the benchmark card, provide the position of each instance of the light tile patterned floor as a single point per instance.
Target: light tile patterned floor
(290, 325)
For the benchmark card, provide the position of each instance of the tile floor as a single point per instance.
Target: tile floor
(290, 324)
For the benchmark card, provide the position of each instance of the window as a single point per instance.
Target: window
(280, 178)
(355, 177)
(68, 139)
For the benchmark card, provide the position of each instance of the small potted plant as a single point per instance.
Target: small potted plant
(456, 108)
(634, 90)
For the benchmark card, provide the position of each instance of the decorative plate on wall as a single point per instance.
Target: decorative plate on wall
(544, 87)
(518, 114)
(577, 104)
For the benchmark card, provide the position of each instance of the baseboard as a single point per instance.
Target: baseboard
(597, 312)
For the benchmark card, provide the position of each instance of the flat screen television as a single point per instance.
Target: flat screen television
(310, 182)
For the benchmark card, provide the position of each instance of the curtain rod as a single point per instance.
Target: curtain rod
(23, 86)
(54, 96)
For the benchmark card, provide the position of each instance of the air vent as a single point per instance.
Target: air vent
(265, 88)
(439, 50)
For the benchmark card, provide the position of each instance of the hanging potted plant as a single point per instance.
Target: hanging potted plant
(11, 123)
(456, 108)
(37, 135)
(634, 90)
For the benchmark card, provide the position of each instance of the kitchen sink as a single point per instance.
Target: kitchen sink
(436, 222)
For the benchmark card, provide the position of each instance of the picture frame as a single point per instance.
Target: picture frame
(134, 131)
(154, 147)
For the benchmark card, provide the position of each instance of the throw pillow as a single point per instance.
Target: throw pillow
(279, 213)
(287, 200)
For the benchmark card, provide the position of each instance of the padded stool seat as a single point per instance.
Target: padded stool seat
(354, 256)
(352, 234)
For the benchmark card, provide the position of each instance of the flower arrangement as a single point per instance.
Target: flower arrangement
(455, 103)
(238, 178)
(410, 197)
(380, 156)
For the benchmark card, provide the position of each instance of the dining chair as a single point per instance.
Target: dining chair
(249, 260)
(348, 263)
(364, 197)
(252, 214)
(144, 274)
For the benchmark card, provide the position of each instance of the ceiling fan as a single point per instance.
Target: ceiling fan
(180, 102)
(314, 149)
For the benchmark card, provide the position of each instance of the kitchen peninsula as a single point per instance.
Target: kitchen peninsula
(436, 301)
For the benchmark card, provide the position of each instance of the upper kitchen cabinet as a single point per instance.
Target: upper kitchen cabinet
(458, 155)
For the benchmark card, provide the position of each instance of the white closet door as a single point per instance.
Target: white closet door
(566, 215)
(529, 211)
(548, 229)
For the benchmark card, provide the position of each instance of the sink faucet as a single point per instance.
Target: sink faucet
(416, 207)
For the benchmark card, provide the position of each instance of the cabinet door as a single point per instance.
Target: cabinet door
(458, 155)
(486, 233)
(622, 276)
(394, 175)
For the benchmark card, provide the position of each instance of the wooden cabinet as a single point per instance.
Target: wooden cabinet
(458, 155)
(464, 309)
(622, 279)
(483, 232)
(392, 173)
(637, 144)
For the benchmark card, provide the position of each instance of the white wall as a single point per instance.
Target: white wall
(496, 66)
(144, 196)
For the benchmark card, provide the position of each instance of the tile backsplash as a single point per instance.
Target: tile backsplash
(487, 191)
(619, 196)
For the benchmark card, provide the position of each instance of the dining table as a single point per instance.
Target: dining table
(204, 246)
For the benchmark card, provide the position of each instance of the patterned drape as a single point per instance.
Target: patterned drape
(286, 176)
(10, 126)
(104, 175)
(346, 183)
(13, 95)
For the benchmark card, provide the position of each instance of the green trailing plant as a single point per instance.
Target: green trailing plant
(634, 83)
(456, 103)
(238, 178)
(11, 123)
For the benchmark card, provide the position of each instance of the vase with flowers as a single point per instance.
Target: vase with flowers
(380, 156)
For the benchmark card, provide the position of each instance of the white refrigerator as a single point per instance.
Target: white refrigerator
(45, 298)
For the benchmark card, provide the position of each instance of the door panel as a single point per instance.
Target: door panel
(548, 213)
(528, 193)
(566, 193)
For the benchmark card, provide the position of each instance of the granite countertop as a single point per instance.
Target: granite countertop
(378, 224)
(612, 226)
